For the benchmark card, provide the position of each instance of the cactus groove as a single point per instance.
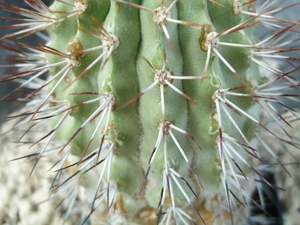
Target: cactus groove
(155, 105)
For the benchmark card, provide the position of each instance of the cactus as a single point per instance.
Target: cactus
(160, 110)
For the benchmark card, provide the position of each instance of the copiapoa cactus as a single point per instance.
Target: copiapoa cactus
(157, 111)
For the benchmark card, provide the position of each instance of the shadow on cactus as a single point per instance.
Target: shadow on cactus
(157, 111)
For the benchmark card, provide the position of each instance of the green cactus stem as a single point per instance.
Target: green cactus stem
(156, 105)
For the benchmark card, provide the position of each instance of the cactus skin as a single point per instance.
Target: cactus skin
(157, 116)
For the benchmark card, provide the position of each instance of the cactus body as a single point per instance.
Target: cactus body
(156, 104)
